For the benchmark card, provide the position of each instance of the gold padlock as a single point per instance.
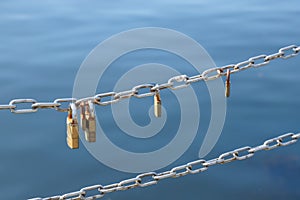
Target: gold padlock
(72, 128)
(157, 104)
(90, 131)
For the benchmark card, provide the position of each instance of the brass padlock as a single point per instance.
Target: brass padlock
(72, 128)
(157, 104)
(90, 131)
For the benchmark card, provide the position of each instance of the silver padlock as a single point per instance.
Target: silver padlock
(90, 131)
(83, 121)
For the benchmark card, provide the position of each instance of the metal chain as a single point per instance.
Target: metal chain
(194, 167)
(174, 83)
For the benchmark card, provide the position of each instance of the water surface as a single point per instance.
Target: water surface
(44, 42)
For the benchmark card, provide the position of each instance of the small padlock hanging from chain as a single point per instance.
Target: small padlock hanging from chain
(90, 128)
(83, 120)
(157, 104)
(72, 128)
(227, 84)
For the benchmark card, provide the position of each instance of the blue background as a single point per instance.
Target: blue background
(42, 44)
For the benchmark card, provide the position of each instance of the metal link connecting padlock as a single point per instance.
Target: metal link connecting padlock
(90, 129)
(72, 128)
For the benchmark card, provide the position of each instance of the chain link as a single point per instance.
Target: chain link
(146, 183)
(191, 166)
(21, 101)
(98, 98)
(64, 100)
(139, 94)
(151, 178)
(174, 83)
(293, 49)
(44, 105)
(180, 80)
(84, 191)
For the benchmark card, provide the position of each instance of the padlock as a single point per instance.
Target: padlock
(157, 104)
(83, 121)
(90, 131)
(227, 84)
(72, 128)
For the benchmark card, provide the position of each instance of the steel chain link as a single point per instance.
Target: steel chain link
(174, 83)
(151, 178)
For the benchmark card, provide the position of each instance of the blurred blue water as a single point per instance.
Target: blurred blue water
(44, 42)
